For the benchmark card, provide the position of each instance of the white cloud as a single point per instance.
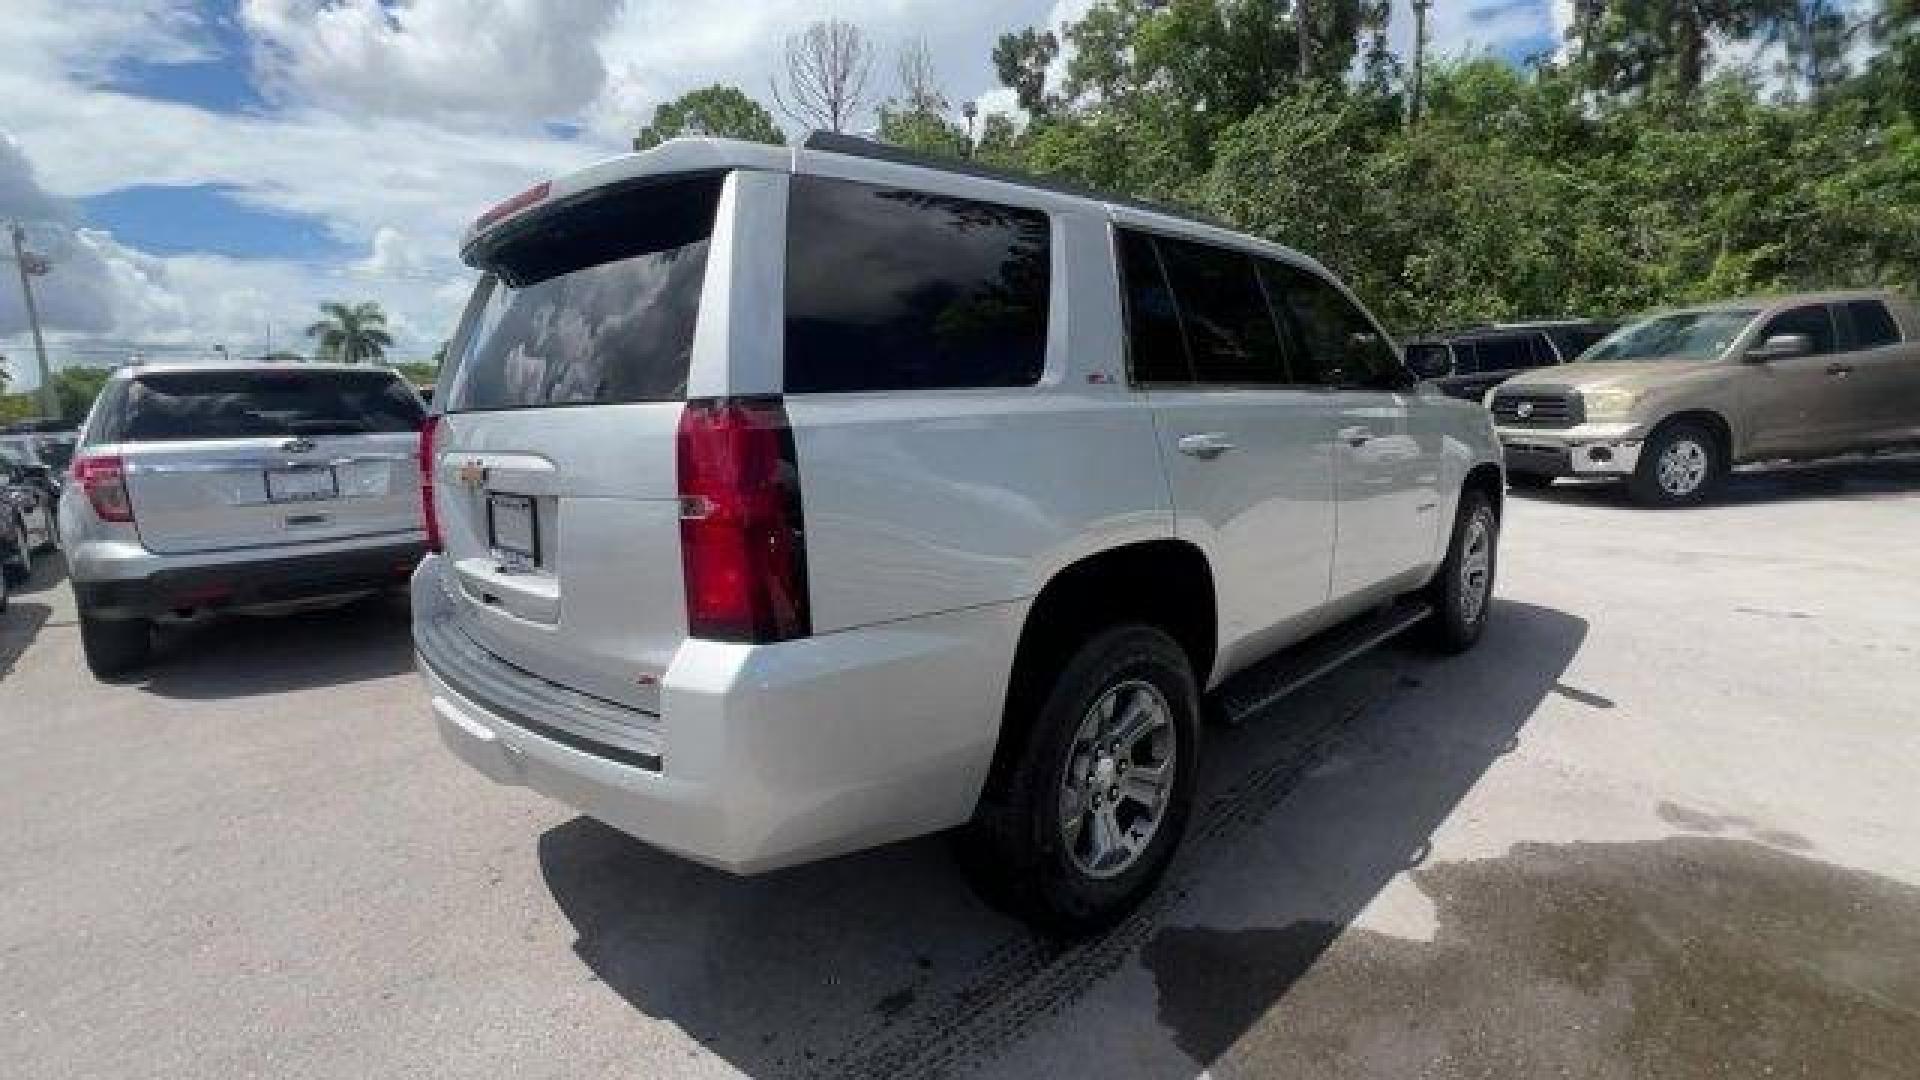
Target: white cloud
(1474, 27)
(482, 60)
(394, 122)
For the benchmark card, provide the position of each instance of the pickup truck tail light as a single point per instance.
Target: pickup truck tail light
(103, 477)
(742, 542)
(428, 430)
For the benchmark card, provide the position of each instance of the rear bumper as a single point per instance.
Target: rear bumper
(762, 756)
(1583, 450)
(247, 580)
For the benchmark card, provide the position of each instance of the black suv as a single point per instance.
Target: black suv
(1468, 362)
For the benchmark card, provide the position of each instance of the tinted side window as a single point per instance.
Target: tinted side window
(1230, 332)
(1504, 353)
(889, 289)
(1156, 351)
(1873, 326)
(1466, 358)
(1436, 350)
(1813, 320)
(1338, 346)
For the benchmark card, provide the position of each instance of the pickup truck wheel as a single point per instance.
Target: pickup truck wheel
(1679, 465)
(1085, 818)
(114, 647)
(1462, 590)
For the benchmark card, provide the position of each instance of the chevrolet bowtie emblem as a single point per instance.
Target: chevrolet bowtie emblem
(472, 474)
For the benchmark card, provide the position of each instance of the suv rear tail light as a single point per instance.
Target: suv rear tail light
(427, 431)
(104, 479)
(742, 543)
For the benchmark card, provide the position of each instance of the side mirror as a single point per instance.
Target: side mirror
(1780, 347)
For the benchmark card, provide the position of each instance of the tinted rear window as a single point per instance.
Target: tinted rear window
(891, 289)
(278, 403)
(590, 304)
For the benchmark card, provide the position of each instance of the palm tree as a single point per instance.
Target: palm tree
(351, 334)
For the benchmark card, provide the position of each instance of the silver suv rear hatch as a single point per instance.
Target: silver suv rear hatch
(226, 459)
(554, 461)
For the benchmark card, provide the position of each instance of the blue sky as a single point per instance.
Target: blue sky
(206, 172)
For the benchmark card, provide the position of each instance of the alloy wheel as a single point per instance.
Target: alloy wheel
(1476, 568)
(1118, 781)
(1683, 467)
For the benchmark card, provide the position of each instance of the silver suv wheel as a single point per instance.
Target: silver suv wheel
(1118, 779)
(1683, 467)
(1476, 566)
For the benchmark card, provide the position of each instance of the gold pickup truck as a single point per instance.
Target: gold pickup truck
(1673, 401)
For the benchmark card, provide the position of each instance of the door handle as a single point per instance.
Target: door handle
(1205, 446)
(1840, 371)
(1355, 436)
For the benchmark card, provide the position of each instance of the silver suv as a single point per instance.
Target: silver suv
(786, 502)
(251, 487)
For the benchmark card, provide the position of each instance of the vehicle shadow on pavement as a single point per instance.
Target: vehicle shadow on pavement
(883, 964)
(1883, 477)
(240, 656)
(24, 618)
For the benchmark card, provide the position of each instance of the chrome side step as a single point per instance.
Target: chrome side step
(1247, 693)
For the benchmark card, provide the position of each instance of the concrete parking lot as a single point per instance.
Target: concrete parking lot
(1664, 821)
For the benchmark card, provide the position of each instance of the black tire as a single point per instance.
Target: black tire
(19, 560)
(1528, 481)
(1458, 619)
(1647, 486)
(1015, 851)
(114, 647)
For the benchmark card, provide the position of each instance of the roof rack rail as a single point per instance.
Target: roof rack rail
(855, 146)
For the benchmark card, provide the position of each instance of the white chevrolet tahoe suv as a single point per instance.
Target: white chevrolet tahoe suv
(786, 502)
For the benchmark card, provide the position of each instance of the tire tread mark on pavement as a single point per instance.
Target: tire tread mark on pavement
(1030, 976)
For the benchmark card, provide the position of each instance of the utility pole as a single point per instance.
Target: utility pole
(1302, 39)
(1419, 58)
(49, 401)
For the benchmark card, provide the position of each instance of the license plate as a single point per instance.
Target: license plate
(301, 485)
(513, 527)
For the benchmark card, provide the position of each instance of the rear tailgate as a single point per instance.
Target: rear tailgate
(224, 459)
(555, 477)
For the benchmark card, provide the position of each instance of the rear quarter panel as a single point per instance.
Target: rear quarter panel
(923, 503)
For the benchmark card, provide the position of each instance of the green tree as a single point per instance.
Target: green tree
(1893, 74)
(719, 110)
(418, 373)
(75, 388)
(351, 334)
(1021, 61)
(999, 141)
(1645, 47)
